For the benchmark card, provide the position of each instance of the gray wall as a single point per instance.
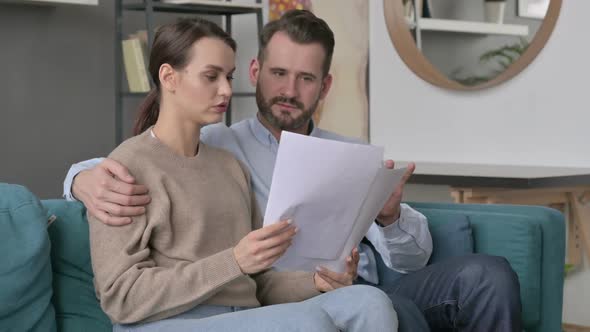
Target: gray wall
(57, 96)
(57, 92)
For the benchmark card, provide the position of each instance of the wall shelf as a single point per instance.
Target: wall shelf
(458, 26)
(52, 2)
(434, 24)
(209, 7)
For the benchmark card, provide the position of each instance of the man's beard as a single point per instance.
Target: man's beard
(285, 122)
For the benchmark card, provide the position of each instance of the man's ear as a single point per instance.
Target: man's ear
(254, 71)
(168, 77)
(326, 84)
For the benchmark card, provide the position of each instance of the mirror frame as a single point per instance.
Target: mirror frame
(404, 43)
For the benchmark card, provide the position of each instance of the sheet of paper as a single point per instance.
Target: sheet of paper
(332, 191)
(382, 188)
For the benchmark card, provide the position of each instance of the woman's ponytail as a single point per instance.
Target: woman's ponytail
(147, 113)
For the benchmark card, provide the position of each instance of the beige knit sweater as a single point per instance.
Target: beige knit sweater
(180, 253)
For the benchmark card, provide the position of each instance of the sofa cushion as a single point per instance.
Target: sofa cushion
(25, 272)
(515, 237)
(77, 308)
(451, 237)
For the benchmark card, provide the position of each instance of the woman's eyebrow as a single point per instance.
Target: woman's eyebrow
(218, 68)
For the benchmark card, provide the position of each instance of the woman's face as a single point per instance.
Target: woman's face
(203, 88)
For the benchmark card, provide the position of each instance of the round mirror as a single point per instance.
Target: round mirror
(468, 44)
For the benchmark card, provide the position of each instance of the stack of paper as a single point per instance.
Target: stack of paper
(333, 191)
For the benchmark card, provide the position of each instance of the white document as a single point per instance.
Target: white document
(333, 191)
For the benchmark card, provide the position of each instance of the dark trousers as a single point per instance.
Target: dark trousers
(468, 293)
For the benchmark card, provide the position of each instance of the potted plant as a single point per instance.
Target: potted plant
(501, 58)
(494, 11)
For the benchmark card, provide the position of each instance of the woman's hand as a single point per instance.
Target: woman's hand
(327, 280)
(261, 248)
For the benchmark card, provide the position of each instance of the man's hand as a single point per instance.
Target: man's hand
(259, 249)
(327, 280)
(110, 194)
(391, 211)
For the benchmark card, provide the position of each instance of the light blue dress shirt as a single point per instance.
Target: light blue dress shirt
(404, 246)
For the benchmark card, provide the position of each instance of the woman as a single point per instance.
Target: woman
(196, 260)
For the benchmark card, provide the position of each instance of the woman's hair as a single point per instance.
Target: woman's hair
(172, 45)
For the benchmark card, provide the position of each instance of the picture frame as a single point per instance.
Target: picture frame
(533, 8)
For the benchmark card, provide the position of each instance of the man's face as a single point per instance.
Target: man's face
(290, 82)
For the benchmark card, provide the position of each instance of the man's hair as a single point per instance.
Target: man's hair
(302, 27)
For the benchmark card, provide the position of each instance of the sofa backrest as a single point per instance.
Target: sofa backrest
(25, 271)
(76, 305)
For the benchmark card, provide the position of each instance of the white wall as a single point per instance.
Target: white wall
(538, 118)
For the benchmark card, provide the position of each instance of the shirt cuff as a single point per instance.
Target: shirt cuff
(73, 171)
(394, 230)
(367, 267)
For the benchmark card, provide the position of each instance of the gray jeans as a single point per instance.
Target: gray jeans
(355, 308)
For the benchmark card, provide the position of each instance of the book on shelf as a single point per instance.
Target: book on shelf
(142, 36)
(135, 63)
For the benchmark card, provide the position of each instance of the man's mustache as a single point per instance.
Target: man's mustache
(285, 100)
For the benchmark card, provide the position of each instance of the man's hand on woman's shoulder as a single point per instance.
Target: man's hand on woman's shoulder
(110, 193)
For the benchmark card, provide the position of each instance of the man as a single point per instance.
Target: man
(291, 74)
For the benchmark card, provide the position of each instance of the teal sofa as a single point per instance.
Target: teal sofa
(46, 280)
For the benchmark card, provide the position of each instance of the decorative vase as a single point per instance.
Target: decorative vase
(494, 11)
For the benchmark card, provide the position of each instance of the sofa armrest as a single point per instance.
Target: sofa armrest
(494, 222)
